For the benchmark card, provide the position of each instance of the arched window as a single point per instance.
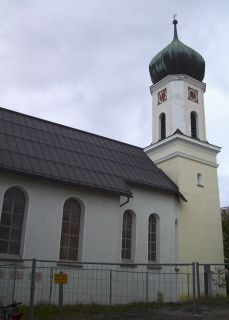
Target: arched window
(162, 125)
(152, 238)
(193, 120)
(126, 235)
(200, 181)
(11, 222)
(69, 243)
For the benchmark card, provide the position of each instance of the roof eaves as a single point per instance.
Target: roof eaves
(176, 192)
(126, 193)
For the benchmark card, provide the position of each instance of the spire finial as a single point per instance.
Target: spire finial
(175, 22)
(174, 19)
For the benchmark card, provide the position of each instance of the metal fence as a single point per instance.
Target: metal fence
(54, 283)
(213, 288)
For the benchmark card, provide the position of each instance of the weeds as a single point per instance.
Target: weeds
(44, 311)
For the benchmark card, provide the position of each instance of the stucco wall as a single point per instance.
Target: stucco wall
(101, 227)
(178, 107)
(166, 208)
(200, 222)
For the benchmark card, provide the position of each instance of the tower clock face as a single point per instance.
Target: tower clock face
(162, 96)
(193, 95)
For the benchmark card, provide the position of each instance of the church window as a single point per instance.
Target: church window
(193, 125)
(152, 238)
(126, 235)
(69, 243)
(162, 126)
(11, 222)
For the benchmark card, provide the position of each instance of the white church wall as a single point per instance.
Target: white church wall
(43, 225)
(178, 107)
(166, 206)
(101, 223)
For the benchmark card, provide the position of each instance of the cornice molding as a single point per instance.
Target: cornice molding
(186, 156)
(177, 77)
(182, 140)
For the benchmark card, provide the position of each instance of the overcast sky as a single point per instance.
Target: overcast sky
(84, 64)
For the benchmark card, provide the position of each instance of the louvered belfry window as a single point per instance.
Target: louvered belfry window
(163, 126)
(69, 243)
(193, 125)
(11, 222)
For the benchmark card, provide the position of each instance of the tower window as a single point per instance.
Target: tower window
(200, 181)
(162, 126)
(193, 121)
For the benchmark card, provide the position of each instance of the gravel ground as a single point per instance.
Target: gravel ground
(214, 310)
(218, 312)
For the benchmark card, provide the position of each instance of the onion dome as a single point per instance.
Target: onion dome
(177, 58)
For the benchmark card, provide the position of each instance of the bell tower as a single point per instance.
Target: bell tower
(178, 104)
(179, 147)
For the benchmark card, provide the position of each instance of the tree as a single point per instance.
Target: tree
(225, 228)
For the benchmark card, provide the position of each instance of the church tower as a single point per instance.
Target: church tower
(179, 147)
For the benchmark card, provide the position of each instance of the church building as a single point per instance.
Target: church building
(70, 195)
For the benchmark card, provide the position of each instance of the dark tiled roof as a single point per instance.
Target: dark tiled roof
(44, 149)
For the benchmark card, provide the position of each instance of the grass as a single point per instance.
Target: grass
(44, 311)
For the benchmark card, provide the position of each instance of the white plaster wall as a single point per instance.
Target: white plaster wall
(102, 228)
(198, 108)
(158, 109)
(43, 222)
(166, 206)
(177, 106)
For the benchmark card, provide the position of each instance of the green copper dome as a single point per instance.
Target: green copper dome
(177, 58)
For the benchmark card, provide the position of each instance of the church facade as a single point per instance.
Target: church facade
(70, 195)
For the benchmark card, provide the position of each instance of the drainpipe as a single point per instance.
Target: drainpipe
(128, 199)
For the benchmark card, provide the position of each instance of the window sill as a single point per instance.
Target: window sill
(11, 257)
(128, 263)
(70, 264)
(154, 266)
(200, 185)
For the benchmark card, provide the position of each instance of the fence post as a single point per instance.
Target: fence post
(51, 285)
(32, 289)
(198, 286)
(60, 307)
(147, 286)
(15, 277)
(194, 288)
(188, 275)
(110, 287)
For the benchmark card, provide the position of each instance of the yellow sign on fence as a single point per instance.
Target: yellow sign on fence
(61, 278)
